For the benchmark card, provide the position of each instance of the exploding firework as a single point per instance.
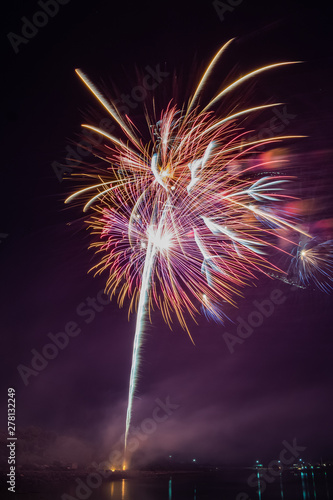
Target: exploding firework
(181, 225)
(312, 264)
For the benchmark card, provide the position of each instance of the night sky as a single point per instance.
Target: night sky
(231, 407)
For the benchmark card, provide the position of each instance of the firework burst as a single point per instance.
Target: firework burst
(179, 228)
(312, 264)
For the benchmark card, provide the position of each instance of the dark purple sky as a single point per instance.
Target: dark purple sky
(232, 407)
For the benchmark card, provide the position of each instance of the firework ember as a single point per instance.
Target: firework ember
(312, 264)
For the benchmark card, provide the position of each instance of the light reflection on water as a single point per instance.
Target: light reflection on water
(281, 486)
(119, 490)
(314, 487)
(123, 482)
(304, 488)
(259, 485)
(326, 484)
(127, 489)
(307, 489)
(223, 485)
